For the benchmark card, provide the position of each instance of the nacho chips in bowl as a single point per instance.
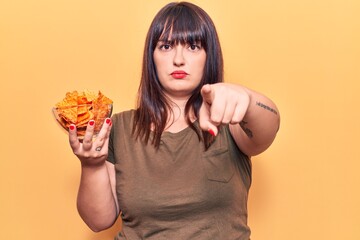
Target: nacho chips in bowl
(79, 108)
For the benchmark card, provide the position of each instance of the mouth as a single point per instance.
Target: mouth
(179, 74)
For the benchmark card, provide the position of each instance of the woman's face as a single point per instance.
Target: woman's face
(179, 67)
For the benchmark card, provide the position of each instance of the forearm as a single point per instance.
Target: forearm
(96, 203)
(261, 121)
(262, 117)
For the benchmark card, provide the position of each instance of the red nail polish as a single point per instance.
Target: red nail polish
(211, 132)
(72, 127)
(108, 121)
(91, 122)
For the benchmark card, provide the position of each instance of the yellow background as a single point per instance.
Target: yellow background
(304, 55)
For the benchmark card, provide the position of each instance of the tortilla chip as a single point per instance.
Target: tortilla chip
(69, 114)
(69, 101)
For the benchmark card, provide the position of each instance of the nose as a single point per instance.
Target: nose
(179, 59)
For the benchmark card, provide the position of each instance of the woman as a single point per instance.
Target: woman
(177, 167)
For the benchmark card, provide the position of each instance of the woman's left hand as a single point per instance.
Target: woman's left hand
(223, 103)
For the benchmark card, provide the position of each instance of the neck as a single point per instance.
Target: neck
(177, 118)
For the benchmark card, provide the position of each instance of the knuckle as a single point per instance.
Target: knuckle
(226, 121)
(216, 119)
(235, 120)
(86, 155)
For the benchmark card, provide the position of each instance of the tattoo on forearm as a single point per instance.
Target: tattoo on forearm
(266, 107)
(247, 131)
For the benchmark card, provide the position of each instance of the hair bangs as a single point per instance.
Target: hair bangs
(183, 26)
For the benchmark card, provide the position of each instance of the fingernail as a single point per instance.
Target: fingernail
(211, 132)
(91, 122)
(108, 121)
(72, 127)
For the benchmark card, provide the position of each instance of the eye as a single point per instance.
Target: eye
(164, 46)
(194, 47)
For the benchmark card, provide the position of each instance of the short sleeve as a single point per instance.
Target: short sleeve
(111, 157)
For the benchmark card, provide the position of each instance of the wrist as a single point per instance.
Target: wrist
(92, 165)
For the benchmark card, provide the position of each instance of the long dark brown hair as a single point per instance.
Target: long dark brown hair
(183, 22)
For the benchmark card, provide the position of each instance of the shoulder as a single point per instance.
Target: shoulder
(124, 116)
(122, 122)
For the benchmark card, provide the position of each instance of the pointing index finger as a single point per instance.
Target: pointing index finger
(207, 93)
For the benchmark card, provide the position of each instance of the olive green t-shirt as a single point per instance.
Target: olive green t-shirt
(179, 190)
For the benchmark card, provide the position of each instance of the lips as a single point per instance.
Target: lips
(179, 74)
